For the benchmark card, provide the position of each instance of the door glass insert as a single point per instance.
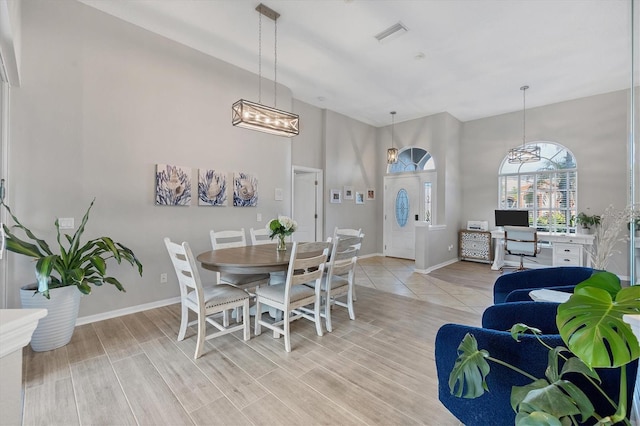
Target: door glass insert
(402, 207)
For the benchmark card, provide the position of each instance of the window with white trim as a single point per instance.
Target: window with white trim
(547, 188)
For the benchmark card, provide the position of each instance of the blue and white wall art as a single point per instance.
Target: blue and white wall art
(245, 190)
(173, 185)
(212, 188)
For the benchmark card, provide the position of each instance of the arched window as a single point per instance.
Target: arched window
(547, 188)
(411, 160)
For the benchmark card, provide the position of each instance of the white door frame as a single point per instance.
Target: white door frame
(319, 197)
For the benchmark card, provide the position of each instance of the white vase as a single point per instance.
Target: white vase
(54, 330)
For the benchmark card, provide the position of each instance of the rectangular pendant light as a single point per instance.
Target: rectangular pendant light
(255, 116)
(528, 154)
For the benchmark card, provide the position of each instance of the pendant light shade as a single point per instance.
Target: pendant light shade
(524, 153)
(392, 153)
(255, 115)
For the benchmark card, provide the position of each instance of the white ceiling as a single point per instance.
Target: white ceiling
(465, 57)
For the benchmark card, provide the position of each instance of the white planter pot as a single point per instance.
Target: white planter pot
(54, 330)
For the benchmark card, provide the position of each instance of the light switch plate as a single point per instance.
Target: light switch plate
(278, 194)
(66, 223)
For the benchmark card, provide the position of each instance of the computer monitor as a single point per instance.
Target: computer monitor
(512, 218)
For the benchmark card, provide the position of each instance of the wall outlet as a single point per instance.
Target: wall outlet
(259, 217)
(450, 247)
(163, 278)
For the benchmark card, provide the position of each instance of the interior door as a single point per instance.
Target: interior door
(402, 209)
(306, 208)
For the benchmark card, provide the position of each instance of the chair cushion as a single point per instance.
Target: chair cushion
(243, 279)
(276, 292)
(220, 294)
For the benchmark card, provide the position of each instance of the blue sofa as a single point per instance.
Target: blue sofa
(494, 408)
(515, 287)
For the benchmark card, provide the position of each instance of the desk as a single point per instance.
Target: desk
(567, 247)
(263, 258)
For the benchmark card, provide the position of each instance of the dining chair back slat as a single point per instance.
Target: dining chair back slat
(260, 236)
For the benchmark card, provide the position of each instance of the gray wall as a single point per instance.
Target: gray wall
(595, 129)
(102, 101)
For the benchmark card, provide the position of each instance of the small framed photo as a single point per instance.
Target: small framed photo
(348, 192)
(336, 196)
(371, 194)
(359, 197)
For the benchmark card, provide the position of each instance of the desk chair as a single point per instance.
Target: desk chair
(205, 301)
(521, 241)
(236, 238)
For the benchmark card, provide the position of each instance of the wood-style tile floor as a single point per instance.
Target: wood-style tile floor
(376, 370)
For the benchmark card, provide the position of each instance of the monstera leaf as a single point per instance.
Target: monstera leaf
(467, 379)
(591, 323)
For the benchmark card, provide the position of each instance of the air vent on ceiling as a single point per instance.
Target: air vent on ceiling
(391, 32)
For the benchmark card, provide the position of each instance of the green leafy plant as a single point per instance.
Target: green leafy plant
(77, 263)
(591, 325)
(587, 221)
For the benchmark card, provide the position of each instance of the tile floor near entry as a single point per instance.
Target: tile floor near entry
(473, 290)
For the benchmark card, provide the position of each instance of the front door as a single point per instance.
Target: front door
(402, 209)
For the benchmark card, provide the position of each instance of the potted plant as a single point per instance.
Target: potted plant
(592, 327)
(62, 277)
(587, 221)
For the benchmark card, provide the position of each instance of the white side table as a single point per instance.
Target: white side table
(16, 328)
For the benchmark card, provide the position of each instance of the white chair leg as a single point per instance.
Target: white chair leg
(287, 335)
(183, 322)
(202, 330)
(318, 318)
(246, 319)
(350, 299)
(225, 318)
(257, 328)
(327, 315)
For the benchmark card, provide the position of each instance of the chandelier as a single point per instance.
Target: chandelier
(255, 115)
(392, 153)
(524, 153)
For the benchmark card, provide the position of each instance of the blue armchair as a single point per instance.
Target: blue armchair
(515, 287)
(494, 407)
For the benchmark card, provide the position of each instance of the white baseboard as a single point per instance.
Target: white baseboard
(438, 266)
(126, 311)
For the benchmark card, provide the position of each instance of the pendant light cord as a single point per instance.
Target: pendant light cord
(275, 63)
(259, 58)
(524, 114)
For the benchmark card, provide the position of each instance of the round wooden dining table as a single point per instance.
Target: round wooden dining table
(256, 259)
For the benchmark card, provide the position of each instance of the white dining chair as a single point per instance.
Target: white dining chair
(260, 236)
(338, 282)
(346, 234)
(230, 239)
(206, 301)
(293, 295)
